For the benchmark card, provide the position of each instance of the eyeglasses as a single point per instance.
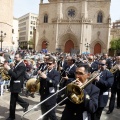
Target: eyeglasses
(49, 63)
(79, 73)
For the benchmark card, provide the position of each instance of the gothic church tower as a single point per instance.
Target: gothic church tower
(67, 25)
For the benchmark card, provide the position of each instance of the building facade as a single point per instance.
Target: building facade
(15, 34)
(27, 23)
(74, 25)
(116, 24)
(6, 23)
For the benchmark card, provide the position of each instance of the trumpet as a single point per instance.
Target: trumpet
(114, 68)
(73, 92)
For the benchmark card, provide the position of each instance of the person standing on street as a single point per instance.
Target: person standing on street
(48, 83)
(17, 77)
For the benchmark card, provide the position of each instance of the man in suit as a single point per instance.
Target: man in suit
(103, 82)
(43, 66)
(92, 64)
(109, 62)
(17, 77)
(115, 88)
(69, 72)
(48, 83)
(79, 60)
(62, 65)
(89, 105)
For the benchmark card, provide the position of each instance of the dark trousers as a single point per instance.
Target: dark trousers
(13, 99)
(51, 115)
(97, 114)
(112, 99)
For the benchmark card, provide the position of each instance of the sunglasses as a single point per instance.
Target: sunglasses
(49, 63)
(102, 64)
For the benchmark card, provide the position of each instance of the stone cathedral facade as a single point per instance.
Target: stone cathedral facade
(74, 25)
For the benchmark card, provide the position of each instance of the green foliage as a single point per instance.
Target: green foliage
(31, 42)
(115, 44)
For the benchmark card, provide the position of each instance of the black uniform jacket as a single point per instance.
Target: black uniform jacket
(94, 67)
(116, 84)
(105, 82)
(75, 111)
(64, 66)
(49, 84)
(109, 63)
(17, 77)
(42, 67)
(71, 73)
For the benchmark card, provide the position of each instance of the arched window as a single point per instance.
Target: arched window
(100, 17)
(45, 18)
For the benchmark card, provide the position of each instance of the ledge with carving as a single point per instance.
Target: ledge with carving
(101, 25)
(83, 20)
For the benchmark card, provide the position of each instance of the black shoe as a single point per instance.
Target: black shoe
(118, 107)
(108, 112)
(9, 118)
(26, 108)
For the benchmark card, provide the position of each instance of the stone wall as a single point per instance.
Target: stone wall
(6, 21)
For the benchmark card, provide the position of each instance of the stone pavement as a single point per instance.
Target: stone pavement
(33, 115)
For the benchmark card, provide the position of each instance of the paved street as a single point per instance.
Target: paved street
(33, 115)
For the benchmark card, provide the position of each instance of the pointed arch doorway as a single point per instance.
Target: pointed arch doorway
(44, 46)
(68, 46)
(97, 48)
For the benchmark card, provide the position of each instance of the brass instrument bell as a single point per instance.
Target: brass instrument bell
(75, 92)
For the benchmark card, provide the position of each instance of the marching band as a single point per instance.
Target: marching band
(63, 76)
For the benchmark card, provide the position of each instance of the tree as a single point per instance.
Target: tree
(115, 45)
(31, 43)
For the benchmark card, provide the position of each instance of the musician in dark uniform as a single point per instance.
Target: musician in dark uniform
(43, 66)
(17, 76)
(103, 82)
(48, 83)
(109, 62)
(62, 65)
(92, 64)
(115, 88)
(79, 60)
(69, 72)
(89, 105)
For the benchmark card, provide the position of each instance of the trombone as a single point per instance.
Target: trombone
(74, 94)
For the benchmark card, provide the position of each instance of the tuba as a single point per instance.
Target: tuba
(75, 92)
(33, 85)
(4, 73)
(114, 69)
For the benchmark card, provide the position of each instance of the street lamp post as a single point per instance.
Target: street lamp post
(2, 36)
(87, 45)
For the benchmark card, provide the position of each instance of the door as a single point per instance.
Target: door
(97, 48)
(68, 46)
(44, 46)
